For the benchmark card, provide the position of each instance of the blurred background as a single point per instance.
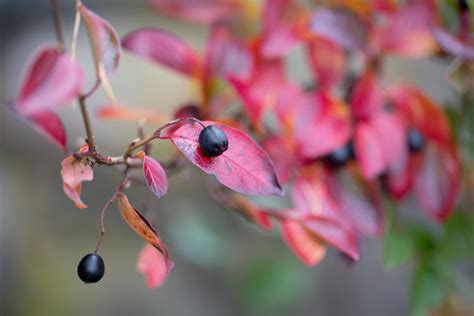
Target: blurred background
(223, 265)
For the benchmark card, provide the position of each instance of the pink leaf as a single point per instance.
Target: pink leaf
(283, 28)
(437, 181)
(368, 150)
(342, 27)
(327, 61)
(199, 11)
(322, 125)
(74, 171)
(322, 214)
(339, 236)
(155, 176)
(358, 202)
(104, 39)
(152, 264)
(260, 92)
(453, 46)
(49, 124)
(408, 32)
(244, 167)
(366, 98)
(52, 80)
(282, 157)
(163, 48)
(227, 56)
(307, 247)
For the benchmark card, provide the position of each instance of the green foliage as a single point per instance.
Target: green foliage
(272, 283)
(427, 289)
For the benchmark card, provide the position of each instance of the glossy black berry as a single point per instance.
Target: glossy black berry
(91, 268)
(416, 140)
(213, 141)
(340, 156)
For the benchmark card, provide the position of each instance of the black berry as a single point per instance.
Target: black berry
(91, 268)
(463, 6)
(416, 140)
(188, 110)
(340, 156)
(213, 141)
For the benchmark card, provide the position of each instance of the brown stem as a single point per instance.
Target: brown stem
(57, 23)
(87, 124)
(120, 188)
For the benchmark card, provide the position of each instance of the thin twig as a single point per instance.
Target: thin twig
(87, 124)
(57, 24)
(102, 225)
(75, 34)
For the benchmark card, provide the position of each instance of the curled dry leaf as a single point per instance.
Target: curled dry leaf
(142, 227)
(74, 171)
(163, 48)
(104, 40)
(152, 264)
(244, 167)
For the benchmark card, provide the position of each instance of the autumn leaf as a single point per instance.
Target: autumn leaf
(74, 171)
(244, 167)
(49, 124)
(52, 80)
(342, 27)
(155, 175)
(163, 48)
(152, 264)
(207, 12)
(104, 40)
(307, 247)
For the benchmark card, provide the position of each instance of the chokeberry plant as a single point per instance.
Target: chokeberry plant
(347, 148)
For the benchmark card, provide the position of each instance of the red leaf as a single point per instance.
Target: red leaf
(142, 227)
(339, 236)
(152, 264)
(227, 56)
(322, 125)
(366, 98)
(283, 28)
(327, 61)
(51, 126)
(323, 216)
(421, 112)
(52, 80)
(308, 247)
(437, 181)
(163, 48)
(73, 172)
(282, 157)
(453, 46)
(104, 40)
(204, 11)
(261, 92)
(342, 27)
(408, 32)
(244, 167)
(368, 150)
(359, 203)
(155, 176)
